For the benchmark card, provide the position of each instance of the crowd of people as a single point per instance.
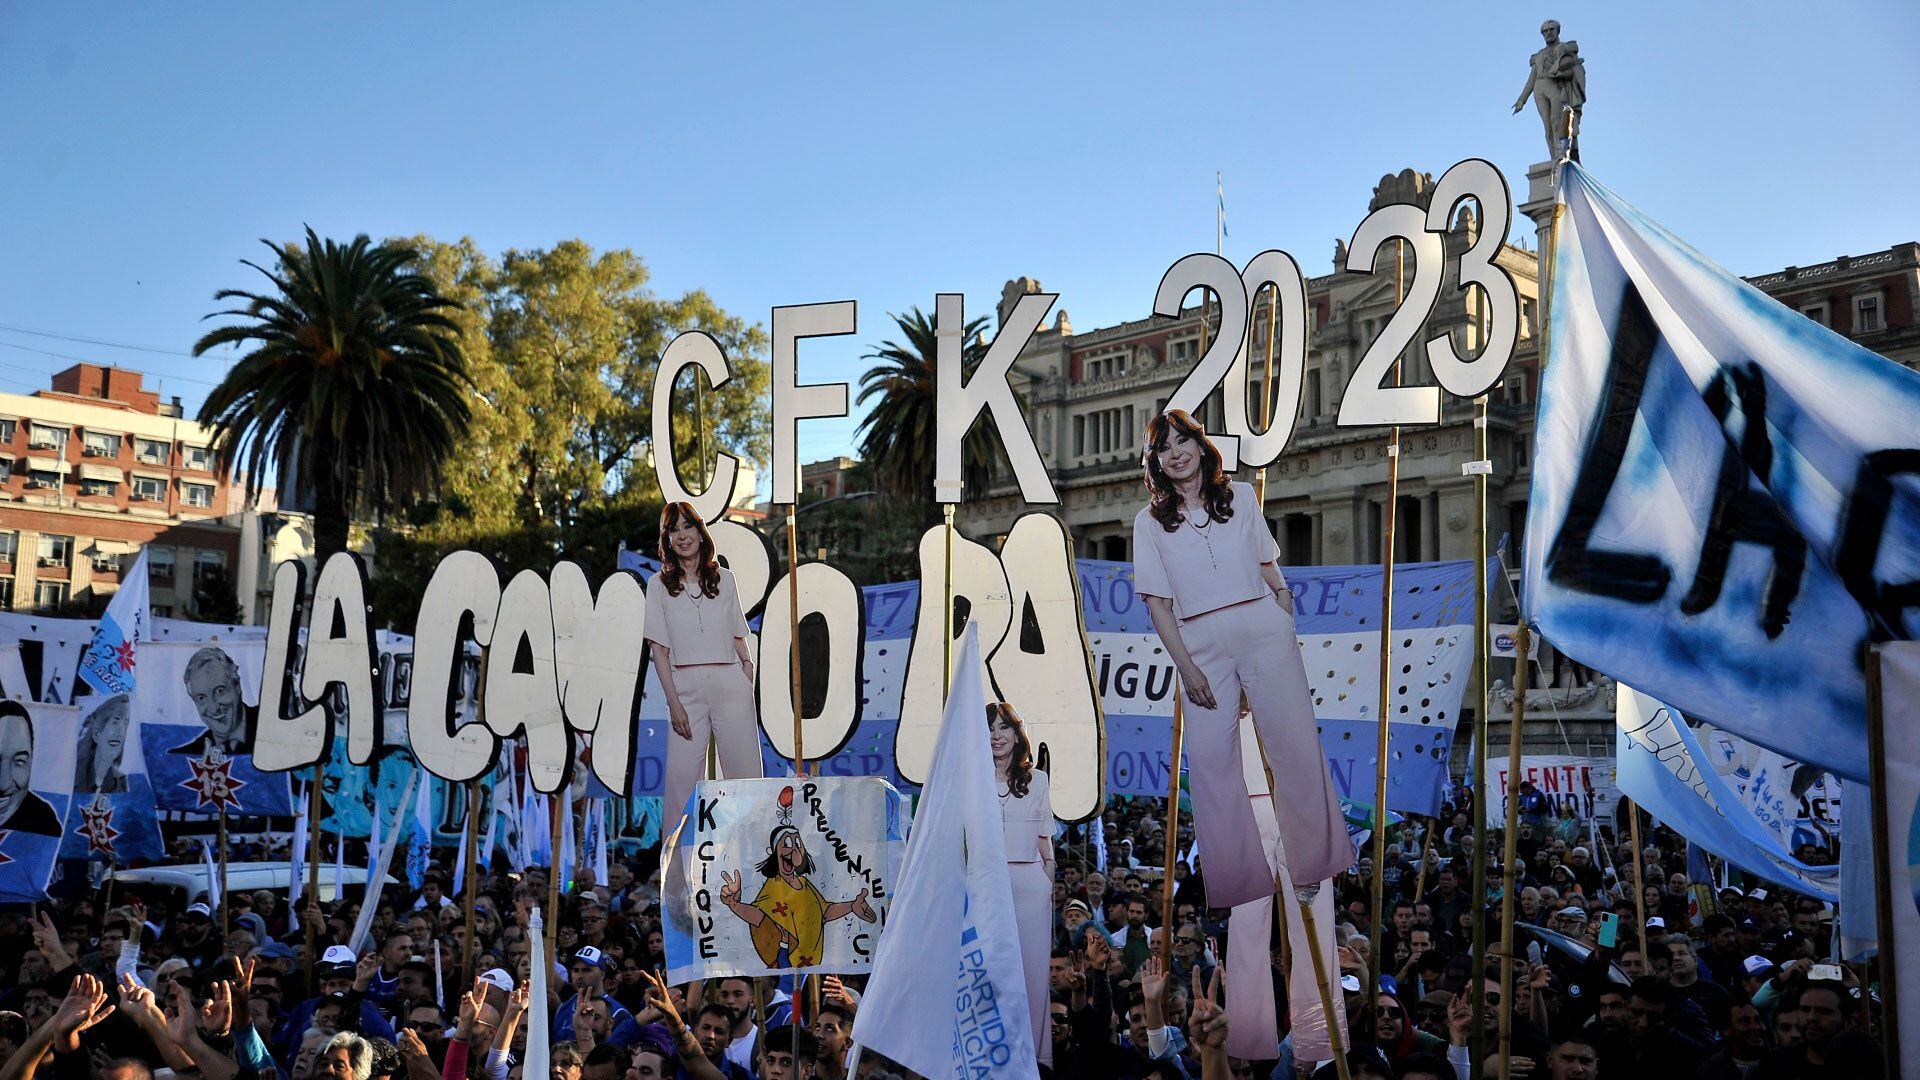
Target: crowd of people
(1732, 982)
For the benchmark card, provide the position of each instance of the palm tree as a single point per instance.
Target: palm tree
(356, 386)
(897, 437)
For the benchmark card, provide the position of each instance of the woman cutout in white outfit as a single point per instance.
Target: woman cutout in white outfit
(1207, 566)
(1026, 814)
(699, 636)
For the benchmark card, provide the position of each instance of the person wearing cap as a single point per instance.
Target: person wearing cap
(1755, 971)
(587, 974)
(193, 938)
(335, 972)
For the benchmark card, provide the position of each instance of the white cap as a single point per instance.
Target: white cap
(499, 978)
(1350, 983)
(1758, 965)
(1656, 921)
(339, 954)
(1758, 893)
(198, 909)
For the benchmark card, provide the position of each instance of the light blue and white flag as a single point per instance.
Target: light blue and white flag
(108, 663)
(1664, 768)
(1726, 495)
(953, 912)
(212, 865)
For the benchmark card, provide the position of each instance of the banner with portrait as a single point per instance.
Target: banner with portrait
(782, 876)
(197, 704)
(111, 818)
(36, 780)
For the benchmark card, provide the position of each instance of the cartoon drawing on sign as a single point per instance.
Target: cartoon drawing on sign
(788, 916)
(1026, 814)
(699, 636)
(20, 809)
(213, 682)
(100, 759)
(1207, 565)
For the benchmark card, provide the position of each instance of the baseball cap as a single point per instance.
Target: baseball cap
(1658, 922)
(1749, 924)
(1758, 893)
(499, 978)
(1350, 983)
(587, 954)
(1571, 912)
(1081, 904)
(1757, 965)
(273, 950)
(199, 909)
(338, 956)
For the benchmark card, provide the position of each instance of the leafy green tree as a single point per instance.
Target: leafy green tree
(897, 436)
(355, 387)
(564, 343)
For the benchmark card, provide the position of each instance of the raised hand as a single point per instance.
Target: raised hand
(1460, 1020)
(180, 1023)
(216, 1016)
(136, 1001)
(1207, 1022)
(1153, 978)
(663, 1001)
(470, 1009)
(516, 1003)
(84, 1006)
(730, 887)
(46, 938)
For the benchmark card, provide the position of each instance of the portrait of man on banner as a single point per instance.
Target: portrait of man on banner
(36, 768)
(197, 705)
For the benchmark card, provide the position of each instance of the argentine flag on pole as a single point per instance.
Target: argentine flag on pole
(108, 663)
(953, 913)
(1726, 494)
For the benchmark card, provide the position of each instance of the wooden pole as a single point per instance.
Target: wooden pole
(224, 906)
(946, 618)
(1382, 747)
(1882, 860)
(1326, 993)
(1639, 885)
(793, 635)
(313, 863)
(471, 843)
(1173, 831)
(560, 806)
(1521, 647)
(1483, 468)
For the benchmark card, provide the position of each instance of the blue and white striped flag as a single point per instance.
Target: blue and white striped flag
(1726, 494)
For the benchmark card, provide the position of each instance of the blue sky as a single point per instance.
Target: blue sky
(882, 153)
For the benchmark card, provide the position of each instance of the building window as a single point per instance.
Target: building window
(1519, 452)
(6, 469)
(6, 594)
(149, 489)
(163, 611)
(49, 594)
(101, 444)
(196, 494)
(101, 489)
(1079, 435)
(160, 564)
(39, 478)
(1818, 313)
(9, 545)
(208, 562)
(1314, 406)
(1866, 314)
(45, 437)
(106, 562)
(7, 428)
(197, 457)
(1131, 431)
(150, 451)
(55, 550)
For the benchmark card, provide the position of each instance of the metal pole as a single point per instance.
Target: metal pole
(946, 619)
(1173, 832)
(793, 635)
(1381, 743)
(1521, 647)
(1882, 860)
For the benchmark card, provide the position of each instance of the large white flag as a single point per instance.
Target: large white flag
(953, 912)
(1723, 509)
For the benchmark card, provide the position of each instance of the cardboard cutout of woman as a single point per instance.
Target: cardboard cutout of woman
(1207, 566)
(699, 636)
(1026, 814)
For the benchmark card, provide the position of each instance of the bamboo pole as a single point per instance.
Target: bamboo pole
(1326, 993)
(561, 805)
(1882, 861)
(1507, 868)
(1426, 852)
(1382, 742)
(1639, 885)
(224, 906)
